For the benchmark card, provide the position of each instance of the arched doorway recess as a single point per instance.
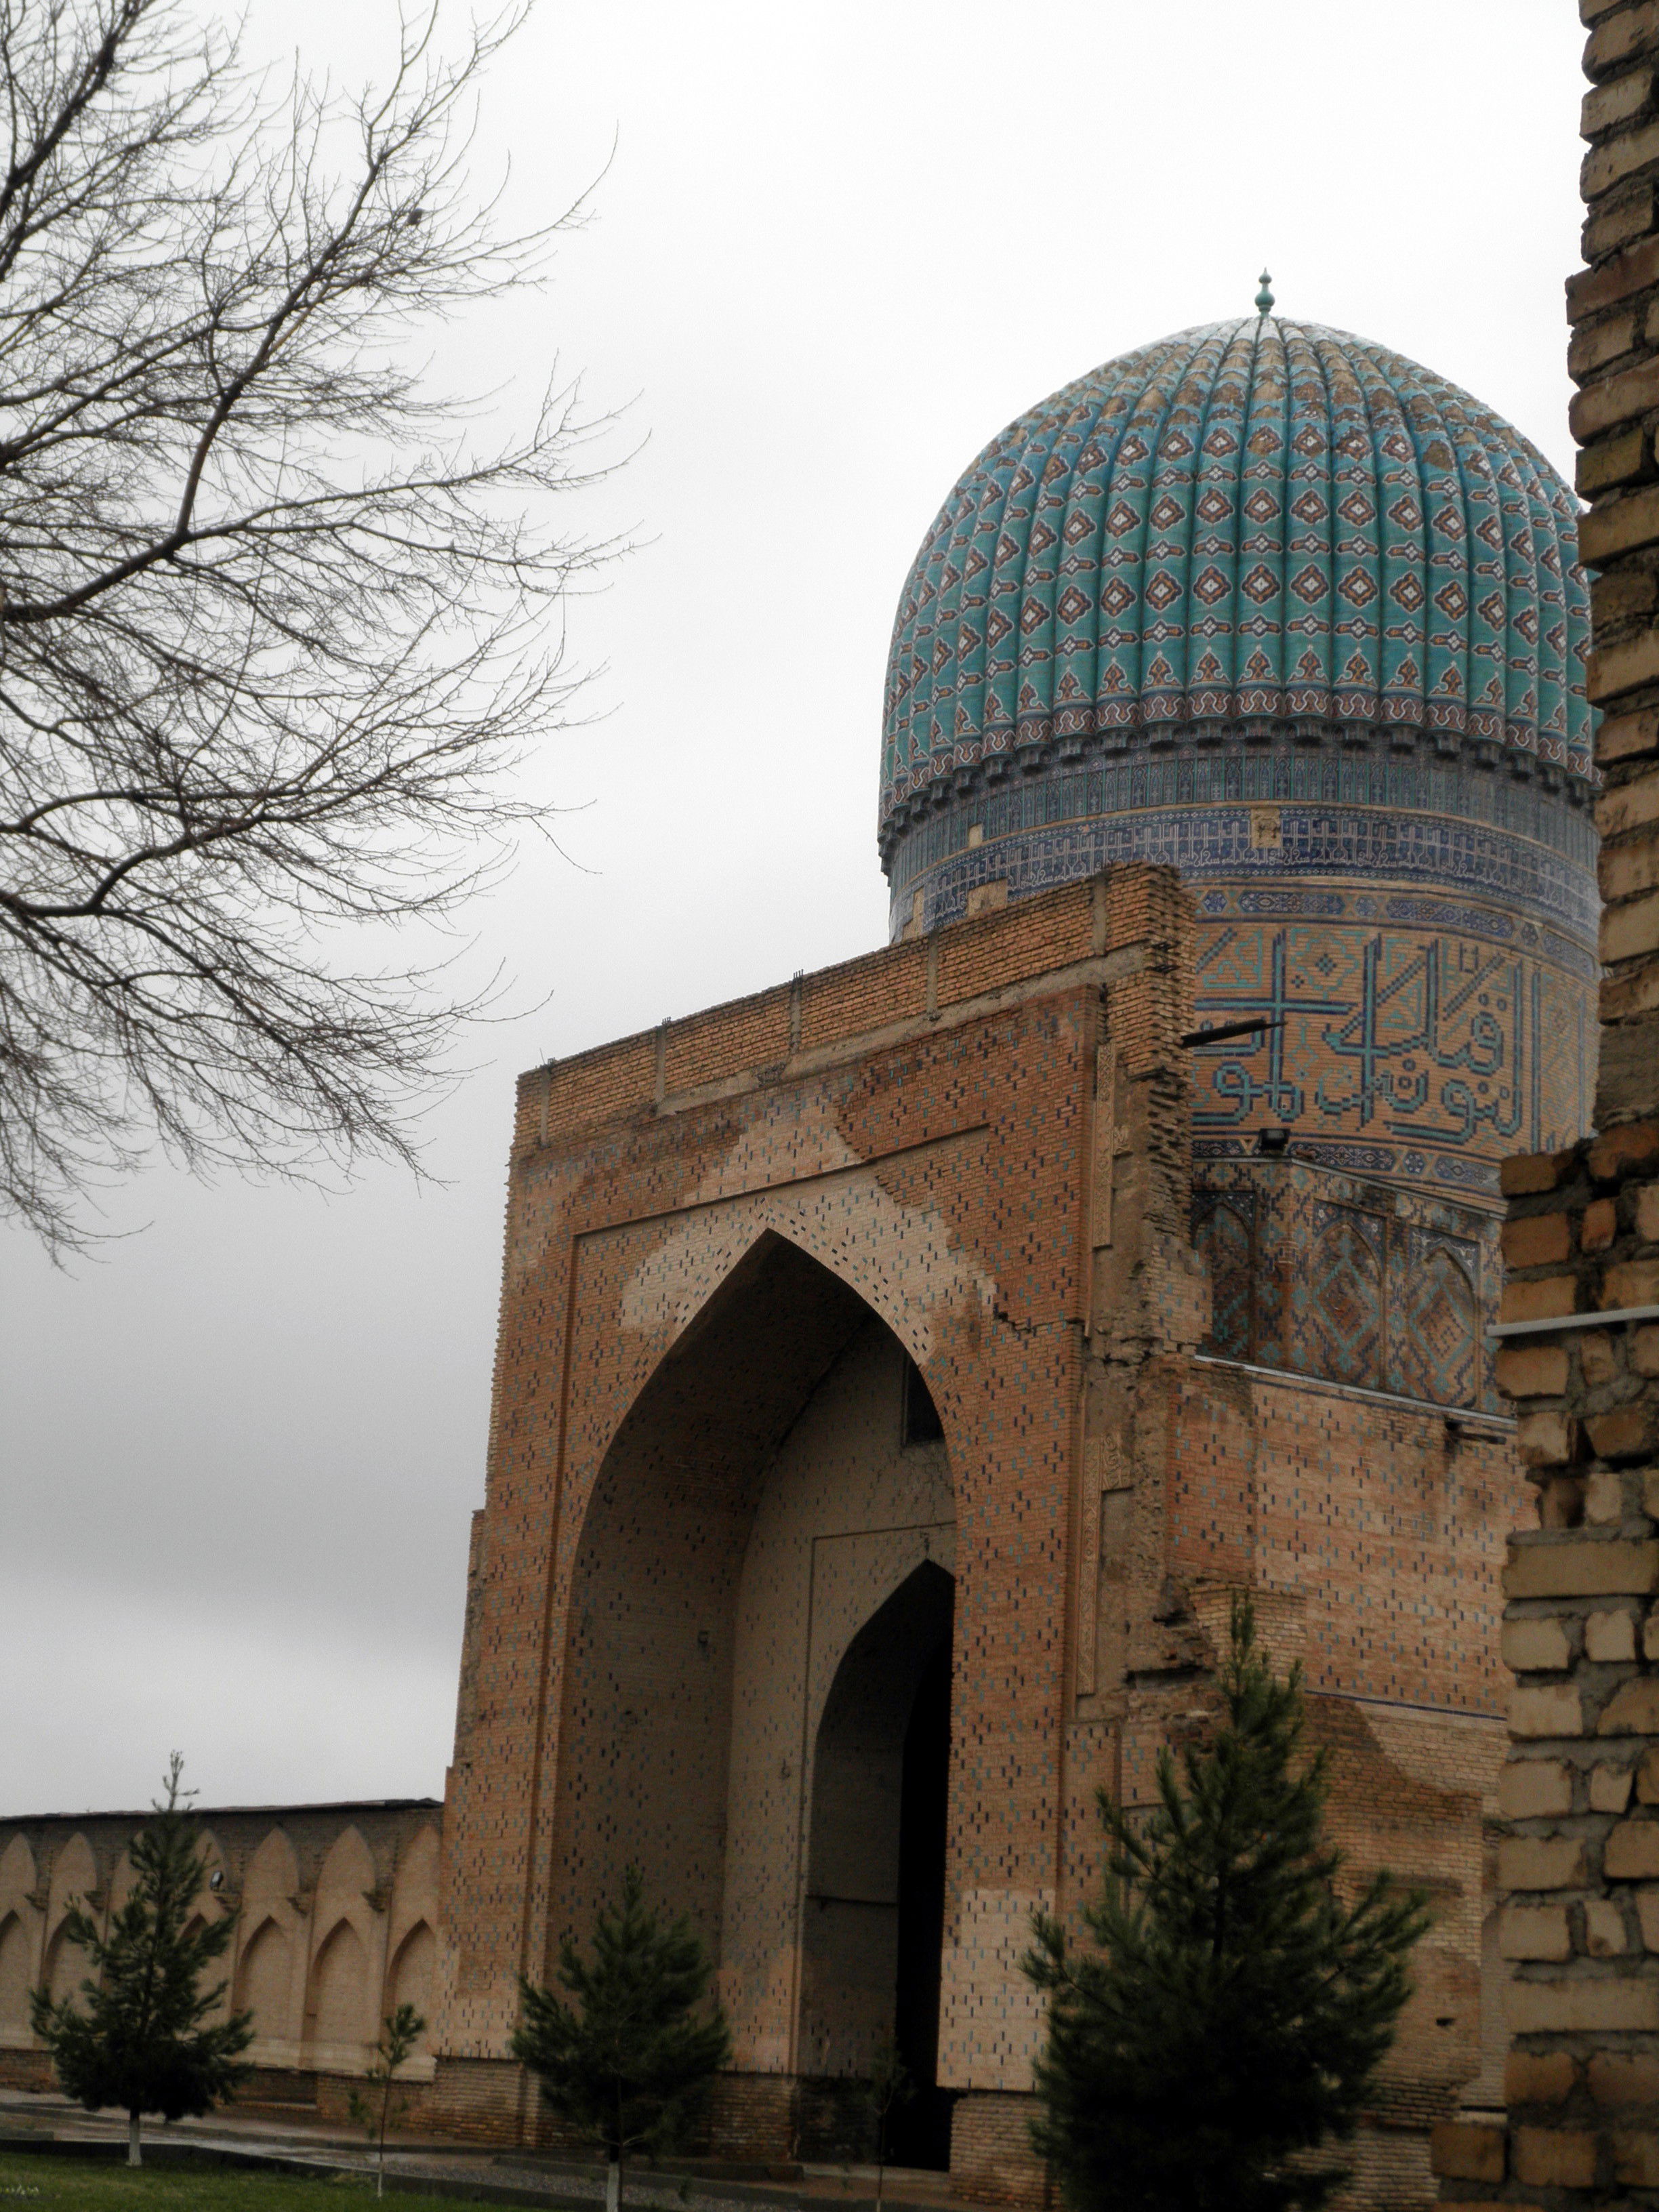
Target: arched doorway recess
(873, 1919)
(771, 1498)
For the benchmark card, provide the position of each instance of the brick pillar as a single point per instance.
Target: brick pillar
(1613, 308)
(1579, 1868)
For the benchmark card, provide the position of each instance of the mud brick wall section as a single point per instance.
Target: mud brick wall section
(1579, 1867)
(1580, 1787)
(1614, 309)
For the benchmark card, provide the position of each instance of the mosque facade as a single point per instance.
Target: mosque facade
(900, 1371)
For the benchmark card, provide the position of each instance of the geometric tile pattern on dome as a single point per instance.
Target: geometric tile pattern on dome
(1255, 521)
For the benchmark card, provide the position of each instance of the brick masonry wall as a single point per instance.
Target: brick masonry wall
(991, 2160)
(982, 1139)
(804, 1024)
(919, 1122)
(1613, 308)
(334, 1908)
(1579, 1868)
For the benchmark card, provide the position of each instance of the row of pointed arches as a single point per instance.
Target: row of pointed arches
(318, 1962)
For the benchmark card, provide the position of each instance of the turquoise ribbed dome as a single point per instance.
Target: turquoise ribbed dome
(1260, 529)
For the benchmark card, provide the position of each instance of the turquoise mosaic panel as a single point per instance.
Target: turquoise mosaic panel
(1320, 1274)
(1252, 523)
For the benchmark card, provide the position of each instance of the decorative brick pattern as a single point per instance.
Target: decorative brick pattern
(975, 1150)
(1322, 1274)
(991, 2019)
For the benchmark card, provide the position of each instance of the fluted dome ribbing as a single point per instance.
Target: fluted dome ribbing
(1258, 523)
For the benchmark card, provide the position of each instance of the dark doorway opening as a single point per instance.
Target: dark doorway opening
(920, 2133)
(875, 1890)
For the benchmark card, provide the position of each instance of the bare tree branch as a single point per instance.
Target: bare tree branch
(273, 625)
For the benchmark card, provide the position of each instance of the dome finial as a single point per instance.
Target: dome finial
(1264, 298)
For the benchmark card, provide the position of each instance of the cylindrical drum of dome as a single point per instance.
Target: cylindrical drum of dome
(1272, 604)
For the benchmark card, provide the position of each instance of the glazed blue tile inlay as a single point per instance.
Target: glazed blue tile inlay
(1257, 522)
(1276, 607)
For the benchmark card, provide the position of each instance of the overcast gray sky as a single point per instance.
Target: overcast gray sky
(839, 245)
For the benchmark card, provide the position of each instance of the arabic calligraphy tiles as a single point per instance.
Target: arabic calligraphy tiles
(1418, 933)
(1426, 1046)
(1431, 987)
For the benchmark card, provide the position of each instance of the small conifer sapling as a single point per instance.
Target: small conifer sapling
(400, 2031)
(137, 2034)
(889, 2089)
(1233, 2017)
(628, 2062)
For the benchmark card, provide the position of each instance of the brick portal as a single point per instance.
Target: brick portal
(864, 1313)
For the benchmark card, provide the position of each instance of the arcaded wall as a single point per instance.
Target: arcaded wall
(335, 1908)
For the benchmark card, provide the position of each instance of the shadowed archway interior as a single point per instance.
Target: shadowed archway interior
(647, 1706)
(875, 1894)
(756, 1703)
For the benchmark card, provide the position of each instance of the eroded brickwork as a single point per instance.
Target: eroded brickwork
(699, 1239)
(1578, 1866)
(1578, 1869)
(1613, 308)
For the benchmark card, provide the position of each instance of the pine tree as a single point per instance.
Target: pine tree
(400, 2031)
(629, 2063)
(1233, 2017)
(140, 2041)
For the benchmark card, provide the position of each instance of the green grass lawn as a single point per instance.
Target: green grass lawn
(89, 2185)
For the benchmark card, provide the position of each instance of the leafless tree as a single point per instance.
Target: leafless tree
(273, 621)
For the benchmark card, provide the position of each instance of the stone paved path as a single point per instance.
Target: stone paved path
(508, 2176)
